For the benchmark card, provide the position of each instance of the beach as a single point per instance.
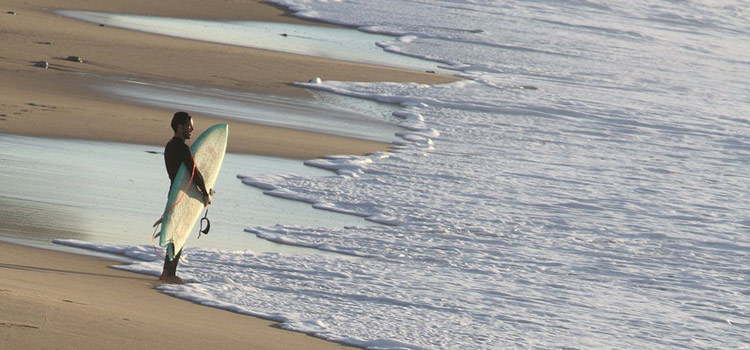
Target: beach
(56, 102)
(54, 300)
(63, 300)
(583, 185)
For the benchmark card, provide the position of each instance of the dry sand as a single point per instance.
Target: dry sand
(65, 301)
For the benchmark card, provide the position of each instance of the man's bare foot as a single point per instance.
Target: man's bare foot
(171, 279)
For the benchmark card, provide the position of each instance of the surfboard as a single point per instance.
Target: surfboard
(184, 207)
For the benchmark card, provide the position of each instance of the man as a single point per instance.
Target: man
(176, 153)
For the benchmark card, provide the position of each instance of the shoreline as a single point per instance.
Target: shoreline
(55, 102)
(32, 109)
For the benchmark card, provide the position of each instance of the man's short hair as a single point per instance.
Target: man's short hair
(180, 118)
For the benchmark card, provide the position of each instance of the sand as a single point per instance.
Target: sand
(61, 106)
(59, 300)
(55, 102)
(54, 300)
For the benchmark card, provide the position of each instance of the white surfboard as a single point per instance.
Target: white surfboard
(184, 207)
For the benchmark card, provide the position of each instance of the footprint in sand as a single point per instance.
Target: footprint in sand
(17, 325)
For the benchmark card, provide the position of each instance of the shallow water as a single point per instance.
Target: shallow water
(327, 113)
(113, 192)
(337, 43)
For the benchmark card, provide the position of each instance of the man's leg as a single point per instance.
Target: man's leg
(169, 272)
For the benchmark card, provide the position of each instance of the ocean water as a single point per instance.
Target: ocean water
(584, 188)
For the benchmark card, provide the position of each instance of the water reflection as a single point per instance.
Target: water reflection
(112, 193)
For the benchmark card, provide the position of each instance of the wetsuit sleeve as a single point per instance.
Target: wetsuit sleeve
(187, 158)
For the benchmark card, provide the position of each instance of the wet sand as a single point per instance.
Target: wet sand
(53, 300)
(56, 101)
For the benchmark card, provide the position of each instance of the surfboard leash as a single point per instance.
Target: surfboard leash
(208, 224)
(153, 245)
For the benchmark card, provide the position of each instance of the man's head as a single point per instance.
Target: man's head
(182, 124)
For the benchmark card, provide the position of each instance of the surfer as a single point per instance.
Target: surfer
(176, 153)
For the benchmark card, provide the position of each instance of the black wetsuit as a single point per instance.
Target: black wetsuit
(176, 153)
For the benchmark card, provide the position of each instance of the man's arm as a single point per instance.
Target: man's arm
(207, 193)
(187, 158)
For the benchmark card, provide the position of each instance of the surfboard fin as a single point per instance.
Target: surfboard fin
(158, 221)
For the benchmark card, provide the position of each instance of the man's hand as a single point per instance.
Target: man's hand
(207, 197)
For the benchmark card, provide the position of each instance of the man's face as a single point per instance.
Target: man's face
(187, 129)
